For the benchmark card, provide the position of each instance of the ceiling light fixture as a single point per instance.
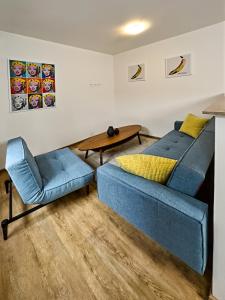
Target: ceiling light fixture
(135, 27)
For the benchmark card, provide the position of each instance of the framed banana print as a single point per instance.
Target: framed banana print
(136, 73)
(31, 85)
(178, 66)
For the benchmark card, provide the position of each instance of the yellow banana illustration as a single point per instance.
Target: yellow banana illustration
(180, 67)
(137, 73)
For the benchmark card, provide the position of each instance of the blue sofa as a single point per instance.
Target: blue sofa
(170, 214)
(44, 178)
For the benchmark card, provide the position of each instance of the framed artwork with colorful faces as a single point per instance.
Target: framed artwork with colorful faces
(31, 85)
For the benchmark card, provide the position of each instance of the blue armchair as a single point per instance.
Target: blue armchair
(42, 179)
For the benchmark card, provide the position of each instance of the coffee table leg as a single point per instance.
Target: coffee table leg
(86, 155)
(139, 138)
(101, 159)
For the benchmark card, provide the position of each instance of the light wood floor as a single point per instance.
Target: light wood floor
(78, 248)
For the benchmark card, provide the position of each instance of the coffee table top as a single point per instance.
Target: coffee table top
(102, 140)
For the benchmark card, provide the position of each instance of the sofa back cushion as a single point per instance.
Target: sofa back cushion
(191, 169)
(172, 145)
(23, 169)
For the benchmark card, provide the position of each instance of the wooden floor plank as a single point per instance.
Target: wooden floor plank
(78, 248)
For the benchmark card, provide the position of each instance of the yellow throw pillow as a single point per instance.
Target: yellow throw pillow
(193, 125)
(151, 167)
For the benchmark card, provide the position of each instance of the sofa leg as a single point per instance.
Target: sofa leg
(4, 225)
(87, 189)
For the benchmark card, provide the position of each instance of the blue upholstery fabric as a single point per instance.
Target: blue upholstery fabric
(190, 172)
(172, 145)
(177, 125)
(23, 169)
(46, 177)
(177, 221)
(168, 214)
(62, 172)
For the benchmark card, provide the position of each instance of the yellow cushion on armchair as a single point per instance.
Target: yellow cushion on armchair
(151, 167)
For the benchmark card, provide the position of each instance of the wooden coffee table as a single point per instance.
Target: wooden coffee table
(101, 142)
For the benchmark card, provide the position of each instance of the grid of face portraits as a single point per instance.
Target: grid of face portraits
(32, 85)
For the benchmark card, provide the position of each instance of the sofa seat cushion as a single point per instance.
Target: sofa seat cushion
(172, 145)
(184, 204)
(62, 172)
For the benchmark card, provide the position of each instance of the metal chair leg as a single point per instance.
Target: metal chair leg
(7, 186)
(4, 225)
(10, 200)
(5, 222)
(87, 189)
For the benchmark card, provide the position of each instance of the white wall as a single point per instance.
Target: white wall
(158, 101)
(218, 287)
(219, 209)
(81, 111)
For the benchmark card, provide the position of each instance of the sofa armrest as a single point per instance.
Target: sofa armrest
(185, 204)
(177, 125)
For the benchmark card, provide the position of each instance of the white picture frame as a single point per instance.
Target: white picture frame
(136, 73)
(178, 66)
